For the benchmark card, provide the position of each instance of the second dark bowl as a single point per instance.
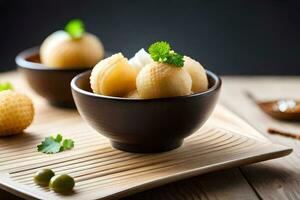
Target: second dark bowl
(145, 125)
(53, 84)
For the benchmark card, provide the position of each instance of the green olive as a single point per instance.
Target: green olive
(43, 176)
(62, 183)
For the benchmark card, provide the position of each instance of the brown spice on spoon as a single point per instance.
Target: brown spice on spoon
(282, 133)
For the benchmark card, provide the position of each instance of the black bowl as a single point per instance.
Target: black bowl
(145, 125)
(51, 83)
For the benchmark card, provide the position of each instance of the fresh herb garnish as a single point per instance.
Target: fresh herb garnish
(68, 144)
(75, 28)
(161, 52)
(55, 144)
(6, 86)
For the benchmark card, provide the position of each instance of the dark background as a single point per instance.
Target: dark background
(228, 37)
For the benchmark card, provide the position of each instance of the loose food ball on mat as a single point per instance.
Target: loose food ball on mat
(16, 112)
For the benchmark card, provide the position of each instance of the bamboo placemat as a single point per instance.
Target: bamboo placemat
(103, 172)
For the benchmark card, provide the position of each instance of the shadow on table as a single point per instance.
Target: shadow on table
(271, 172)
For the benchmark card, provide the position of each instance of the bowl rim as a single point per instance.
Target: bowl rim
(216, 86)
(23, 63)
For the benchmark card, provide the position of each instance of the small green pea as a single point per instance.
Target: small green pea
(43, 176)
(62, 183)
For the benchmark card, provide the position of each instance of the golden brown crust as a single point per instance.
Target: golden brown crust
(16, 112)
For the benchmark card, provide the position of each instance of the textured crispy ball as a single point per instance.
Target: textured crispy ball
(113, 76)
(59, 50)
(197, 73)
(157, 80)
(16, 112)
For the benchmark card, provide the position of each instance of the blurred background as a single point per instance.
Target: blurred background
(228, 37)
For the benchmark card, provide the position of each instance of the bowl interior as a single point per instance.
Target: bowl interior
(83, 82)
(35, 58)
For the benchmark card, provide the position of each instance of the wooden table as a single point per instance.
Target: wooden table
(275, 179)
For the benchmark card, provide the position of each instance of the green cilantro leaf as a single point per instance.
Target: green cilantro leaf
(176, 59)
(161, 52)
(6, 86)
(58, 138)
(54, 144)
(49, 146)
(75, 28)
(68, 144)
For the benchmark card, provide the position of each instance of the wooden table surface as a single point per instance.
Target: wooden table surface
(275, 179)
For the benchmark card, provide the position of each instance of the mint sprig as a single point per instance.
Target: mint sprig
(161, 52)
(55, 144)
(75, 28)
(6, 86)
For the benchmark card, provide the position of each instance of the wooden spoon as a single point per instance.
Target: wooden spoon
(282, 109)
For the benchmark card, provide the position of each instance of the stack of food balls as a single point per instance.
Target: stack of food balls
(158, 74)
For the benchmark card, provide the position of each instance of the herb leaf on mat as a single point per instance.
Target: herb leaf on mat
(55, 144)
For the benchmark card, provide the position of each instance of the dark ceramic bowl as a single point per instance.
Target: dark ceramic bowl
(50, 83)
(145, 125)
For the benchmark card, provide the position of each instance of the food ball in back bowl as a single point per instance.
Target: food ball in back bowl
(50, 68)
(149, 103)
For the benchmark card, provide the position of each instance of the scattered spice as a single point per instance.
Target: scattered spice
(285, 134)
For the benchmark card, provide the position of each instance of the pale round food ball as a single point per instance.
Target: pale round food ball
(60, 50)
(157, 80)
(113, 76)
(197, 73)
(133, 94)
(16, 112)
